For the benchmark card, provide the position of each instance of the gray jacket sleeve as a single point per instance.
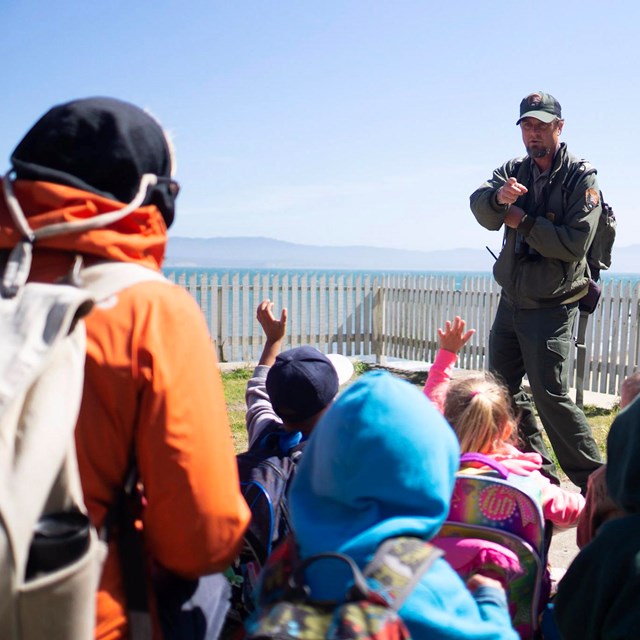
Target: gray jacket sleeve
(260, 413)
(483, 201)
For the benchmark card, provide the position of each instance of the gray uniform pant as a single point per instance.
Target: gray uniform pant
(537, 342)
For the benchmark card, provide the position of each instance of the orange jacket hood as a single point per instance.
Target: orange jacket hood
(141, 237)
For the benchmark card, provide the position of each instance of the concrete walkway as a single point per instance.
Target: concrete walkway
(591, 398)
(563, 544)
(420, 369)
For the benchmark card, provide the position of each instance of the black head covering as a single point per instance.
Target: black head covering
(102, 145)
(301, 382)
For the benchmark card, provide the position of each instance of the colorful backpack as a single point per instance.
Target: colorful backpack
(369, 609)
(496, 526)
(266, 471)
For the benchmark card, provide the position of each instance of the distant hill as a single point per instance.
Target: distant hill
(267, 253)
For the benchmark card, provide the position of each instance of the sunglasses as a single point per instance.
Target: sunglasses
(174, 186)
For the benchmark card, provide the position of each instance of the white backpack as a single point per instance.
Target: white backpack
(50, 556)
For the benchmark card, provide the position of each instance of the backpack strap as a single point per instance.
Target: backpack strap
(43, 348)
(102, 281)
(398, 566)
(486, 461)
(298, 590)
(105, 279)
(574, 174)
(275, 438)
(520, 170)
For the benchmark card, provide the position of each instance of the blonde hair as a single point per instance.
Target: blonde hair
(479, 410)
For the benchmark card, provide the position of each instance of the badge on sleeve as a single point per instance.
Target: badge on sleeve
(591, 198)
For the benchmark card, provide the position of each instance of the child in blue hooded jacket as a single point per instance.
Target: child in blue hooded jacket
(381, 464)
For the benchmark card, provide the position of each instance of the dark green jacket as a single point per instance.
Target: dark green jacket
(599, 596)
(549, 268)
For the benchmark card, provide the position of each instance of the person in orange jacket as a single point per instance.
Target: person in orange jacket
(152, 386)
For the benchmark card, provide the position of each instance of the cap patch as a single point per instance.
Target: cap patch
(534, 99)
(591, 198)
(541, 106)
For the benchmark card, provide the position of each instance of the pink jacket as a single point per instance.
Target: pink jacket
(560, 506)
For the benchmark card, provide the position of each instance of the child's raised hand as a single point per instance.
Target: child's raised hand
(274, 329)
(453, 337)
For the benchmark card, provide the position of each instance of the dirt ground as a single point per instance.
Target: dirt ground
(563, 544)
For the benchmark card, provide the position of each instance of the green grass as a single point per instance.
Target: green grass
(235, 383)
(600, 420)
(360, 368)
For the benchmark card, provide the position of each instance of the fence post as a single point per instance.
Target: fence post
(384, 328)
(223, 342)
(378, 328)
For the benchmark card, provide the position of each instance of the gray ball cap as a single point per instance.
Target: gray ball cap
(541, 106)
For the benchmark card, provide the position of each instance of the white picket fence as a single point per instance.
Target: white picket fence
(397, 316)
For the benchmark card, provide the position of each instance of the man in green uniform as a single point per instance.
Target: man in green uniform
(550, 214)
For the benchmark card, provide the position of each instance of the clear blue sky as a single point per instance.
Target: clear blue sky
(352, 122)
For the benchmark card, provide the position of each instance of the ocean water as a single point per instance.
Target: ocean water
(319, 309)
(607, 278)
(242, 307)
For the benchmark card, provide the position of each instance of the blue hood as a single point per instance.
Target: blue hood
(380, 463)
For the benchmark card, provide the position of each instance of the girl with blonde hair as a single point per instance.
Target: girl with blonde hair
(479, 410)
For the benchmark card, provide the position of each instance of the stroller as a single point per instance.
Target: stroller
(497, 528)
